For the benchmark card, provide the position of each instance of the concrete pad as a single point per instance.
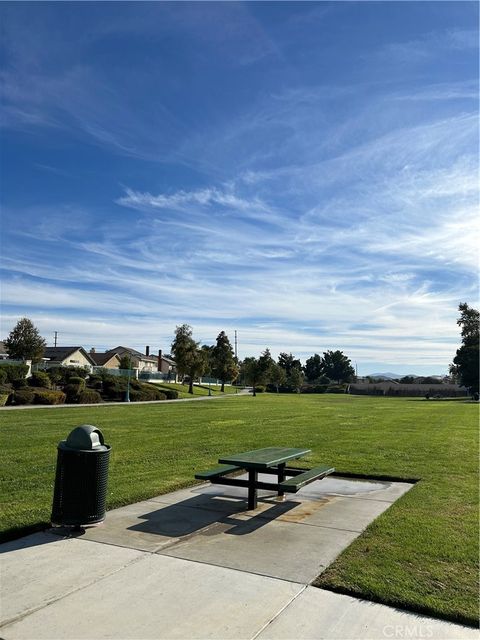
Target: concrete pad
(42, 567)
(294, 552)
(212, 491)
(320, 489)
(162, 598)
(150, 526)
(321, 615)
(207, 497)
(353, 488)
(338, 513)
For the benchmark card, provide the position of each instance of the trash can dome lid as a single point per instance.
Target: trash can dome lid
(85, 437)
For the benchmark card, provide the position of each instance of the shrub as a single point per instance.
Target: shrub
(58, 375)
(72, 392)
(260, 388)
(3, 375)
(170, 394)
(89, 396)
(94, 382)
(80, 382)
(49, 397)
(337, 388)
(5, 393)
(282, 388)
(19, 383)
(314, 388)
(40, 379)
(144, 394)
(14, 371)
(76, 372)
(114, 388)
(24, 396)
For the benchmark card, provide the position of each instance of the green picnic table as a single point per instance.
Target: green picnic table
(271, 460)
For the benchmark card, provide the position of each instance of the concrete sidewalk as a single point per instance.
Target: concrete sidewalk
(195, 564)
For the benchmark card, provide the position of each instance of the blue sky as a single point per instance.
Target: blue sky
(303, 173)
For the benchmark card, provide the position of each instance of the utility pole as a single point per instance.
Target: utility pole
(236, 360)
(55, 338)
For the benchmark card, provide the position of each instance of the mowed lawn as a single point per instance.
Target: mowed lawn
(422, 553)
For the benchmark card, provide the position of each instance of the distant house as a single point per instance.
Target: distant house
(105, 360)
(166, 365)
(68, 357)
(143, 362)
(3, 351)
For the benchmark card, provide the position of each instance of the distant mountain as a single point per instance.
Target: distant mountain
(389, 376)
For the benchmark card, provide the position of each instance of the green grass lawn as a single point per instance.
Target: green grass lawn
(197, 390)
(421, 554)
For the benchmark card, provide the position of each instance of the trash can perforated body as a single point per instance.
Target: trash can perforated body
(81, 478)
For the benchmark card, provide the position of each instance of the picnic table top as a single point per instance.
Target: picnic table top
(263, 458)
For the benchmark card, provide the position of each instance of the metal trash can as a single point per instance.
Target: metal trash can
(81, 478)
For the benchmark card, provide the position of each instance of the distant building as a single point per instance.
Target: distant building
(3, 351)
(144, 362)
(68, 357)
(105, 360)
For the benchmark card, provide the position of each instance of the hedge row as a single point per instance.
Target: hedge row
(74, 387)
(307, 388)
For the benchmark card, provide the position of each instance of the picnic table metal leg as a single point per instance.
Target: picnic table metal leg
(252, 489)
(281, 478)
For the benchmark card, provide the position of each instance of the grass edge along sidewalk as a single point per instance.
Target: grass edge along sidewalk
(421, 554)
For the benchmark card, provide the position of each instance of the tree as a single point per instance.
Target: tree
(466, 361)
(295, 379)
(125, 361)
(190, 359)
(266, 364)
(429, 380)
(223, 362)
(278, 377)
(24, 342)
(287, 361)
(337, 366)
(253, 372)
(313, 368)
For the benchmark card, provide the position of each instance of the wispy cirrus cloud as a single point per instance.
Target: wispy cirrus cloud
(183, 200)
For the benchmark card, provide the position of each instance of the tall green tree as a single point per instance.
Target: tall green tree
(295, 379)
(336, 366)
(278, 377)
(191, 361)
(253, 372)
(224, 366)
(24, 342)
(267, 364)
(313, 368)
(287, 361)
(466, 361)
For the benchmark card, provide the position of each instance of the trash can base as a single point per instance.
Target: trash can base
(73, 531)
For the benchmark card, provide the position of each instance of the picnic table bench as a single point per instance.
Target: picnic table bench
(271, 460)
